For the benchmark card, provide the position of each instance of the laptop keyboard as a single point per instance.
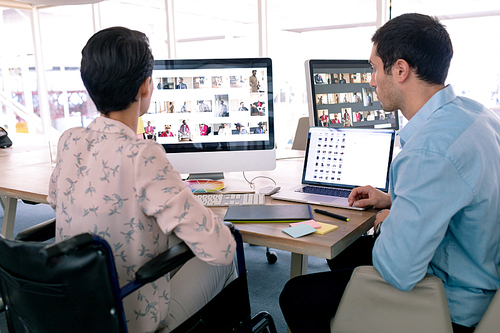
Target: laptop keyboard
(334, 192)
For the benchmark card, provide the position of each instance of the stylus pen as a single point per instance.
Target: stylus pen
(324, 212)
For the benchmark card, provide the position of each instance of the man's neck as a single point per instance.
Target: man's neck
(418, 97)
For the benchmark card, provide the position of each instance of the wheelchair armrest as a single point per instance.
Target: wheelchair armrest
(230, 225)
(164, 263)
(73, 243)
(167, 261)
(38, 233)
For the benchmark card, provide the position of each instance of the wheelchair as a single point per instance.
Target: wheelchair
(72, 286)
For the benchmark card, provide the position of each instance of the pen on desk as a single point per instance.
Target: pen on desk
(324, 212)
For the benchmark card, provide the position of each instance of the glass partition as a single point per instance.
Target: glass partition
(297, 30)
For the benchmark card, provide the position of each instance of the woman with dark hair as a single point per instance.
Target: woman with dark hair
(109, 182)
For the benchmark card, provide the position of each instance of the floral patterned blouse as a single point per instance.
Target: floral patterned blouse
(108, 182)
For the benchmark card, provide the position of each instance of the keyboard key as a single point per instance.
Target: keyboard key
(231, 199)
(335, 192)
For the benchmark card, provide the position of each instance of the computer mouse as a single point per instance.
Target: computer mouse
(268, 190)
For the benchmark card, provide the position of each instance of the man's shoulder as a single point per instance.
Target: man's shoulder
(456, 127)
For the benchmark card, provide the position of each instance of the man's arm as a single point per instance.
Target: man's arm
(422, 207)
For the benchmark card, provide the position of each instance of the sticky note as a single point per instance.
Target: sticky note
(312, 223)
(299, 230)
(326, 228)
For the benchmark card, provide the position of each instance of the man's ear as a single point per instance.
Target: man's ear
(401, 70)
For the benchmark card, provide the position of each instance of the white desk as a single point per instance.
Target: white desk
(25, 174)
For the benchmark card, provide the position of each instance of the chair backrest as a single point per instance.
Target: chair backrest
(491, 319)
(301, 133)
(370, 304)
(64, 287)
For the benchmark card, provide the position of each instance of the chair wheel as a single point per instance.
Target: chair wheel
(272, 257)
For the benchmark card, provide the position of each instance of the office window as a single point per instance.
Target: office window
(70, 104)
(473, 28)
(16, 58)
(320, 29)
(297, 30)
(216, 29)
(64, 31)
(145, 16)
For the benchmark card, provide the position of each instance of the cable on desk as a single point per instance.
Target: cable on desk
(252, 184)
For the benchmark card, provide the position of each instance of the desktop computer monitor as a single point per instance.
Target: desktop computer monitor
(214, 115)
(339, 95)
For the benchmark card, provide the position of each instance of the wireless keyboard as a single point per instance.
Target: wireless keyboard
(231, 199)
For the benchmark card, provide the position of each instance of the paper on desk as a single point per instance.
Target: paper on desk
(299, 230)
(326, 228)
(312, 223)
(321, 228)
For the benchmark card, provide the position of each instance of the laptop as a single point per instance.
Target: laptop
(339, 159)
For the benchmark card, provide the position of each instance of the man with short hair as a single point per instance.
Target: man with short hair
(223, 109)
(260, 129)
(242, 107)
(203, 107)
(254, 82)
(443, 210)
(181, 84)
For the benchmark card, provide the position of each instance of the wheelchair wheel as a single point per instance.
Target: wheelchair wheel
(272, 257)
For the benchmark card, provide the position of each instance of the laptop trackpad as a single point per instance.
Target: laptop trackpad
(325, 199)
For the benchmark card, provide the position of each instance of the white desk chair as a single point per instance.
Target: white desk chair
(370, 304)
(301, 133)
(491, 319)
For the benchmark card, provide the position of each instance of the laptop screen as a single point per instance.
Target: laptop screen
(348, 157)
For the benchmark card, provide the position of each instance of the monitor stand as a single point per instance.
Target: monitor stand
(230, 185)
(207, 175)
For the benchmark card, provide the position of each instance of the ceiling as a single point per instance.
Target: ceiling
(25, 4)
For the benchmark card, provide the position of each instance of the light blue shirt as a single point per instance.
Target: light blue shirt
(445, 214)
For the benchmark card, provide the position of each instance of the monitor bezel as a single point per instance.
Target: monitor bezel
(310, 66)
(223, 63)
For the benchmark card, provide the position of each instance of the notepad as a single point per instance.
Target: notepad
(268, 213)
(299, 230)
(321, 228)
(312, 223)
(326, 228)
